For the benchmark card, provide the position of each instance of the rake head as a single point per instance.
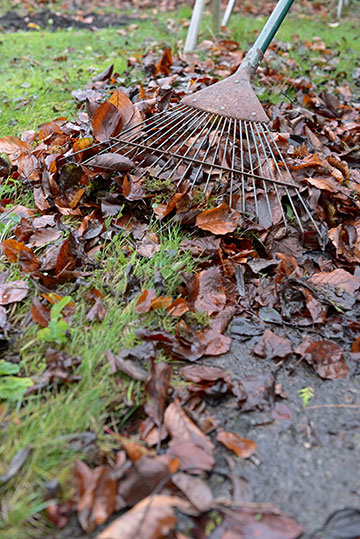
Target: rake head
(232, 159)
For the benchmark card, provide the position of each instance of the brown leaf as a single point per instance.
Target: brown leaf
(112, 162)
(60, 369)
(220, 220)
(255, 392)
(145, 475)
(40, 313)
(205, 291)
(339, 279)
(13, 291)
(104, 75)
(152, 518)
(162, 210)
(16, 464)
(206, 246)
(327, 359)
(43, 236)
(203, 373)
(97, 491)
(163, 66)
(132, 188)
(123, 104)
(195, 489)
(192, 458)
(107, 121)
(16, 251)
(182, 428)
(271, 346)
(245, 523)
(243, 447)
(143, 304)
(211, 296)
(178, 307)
(131, 366)
(188, 444)
(355, 347)
(14, 148)
(156, 390)
(66, 258)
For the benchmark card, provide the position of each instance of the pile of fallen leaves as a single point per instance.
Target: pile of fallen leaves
(262, 278)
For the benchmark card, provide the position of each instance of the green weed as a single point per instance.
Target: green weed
(306, 393)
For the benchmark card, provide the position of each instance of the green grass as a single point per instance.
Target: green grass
(46, 421)
(40, 69)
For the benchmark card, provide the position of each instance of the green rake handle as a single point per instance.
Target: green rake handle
(255, 54)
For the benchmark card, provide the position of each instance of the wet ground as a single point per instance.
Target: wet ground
(308, 458)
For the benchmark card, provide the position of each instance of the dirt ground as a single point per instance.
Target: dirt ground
(46, 19)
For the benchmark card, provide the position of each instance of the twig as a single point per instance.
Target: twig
(332, 406)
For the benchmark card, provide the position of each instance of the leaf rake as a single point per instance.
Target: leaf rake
(217, 140)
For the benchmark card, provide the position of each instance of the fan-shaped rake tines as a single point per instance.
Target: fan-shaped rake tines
(236, 161)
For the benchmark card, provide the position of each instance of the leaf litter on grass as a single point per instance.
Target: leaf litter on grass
(267, 275)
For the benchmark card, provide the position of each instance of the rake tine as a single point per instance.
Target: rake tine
(232, 163)
(270, 169)
(216, 151)
(207, 150)
(180, 128)
(198, 118)
(261, 171)
(225, 152)
(128, 130)
(280, 173)
(252, 171)
(149, 125)
(243, 201)
(189, 150)
(296, 189)
(165, 129)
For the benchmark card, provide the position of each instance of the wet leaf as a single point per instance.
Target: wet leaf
(156, 390)
(152, 518)
(327, 359)
(123, 104)
(40, 313)
(272, 346)
(201, 373)
(188, 444)
(16, 464)
(97, 495)
(260, 522)
(107, 121)
(144, 476)
(243, 447)
(195, 489)
(220, 220)
(13, 291)
(143, 304)
(111, 162)
(178, 307)
(16, 251)
(128, 361)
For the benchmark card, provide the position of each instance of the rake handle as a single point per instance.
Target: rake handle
(255, 54)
